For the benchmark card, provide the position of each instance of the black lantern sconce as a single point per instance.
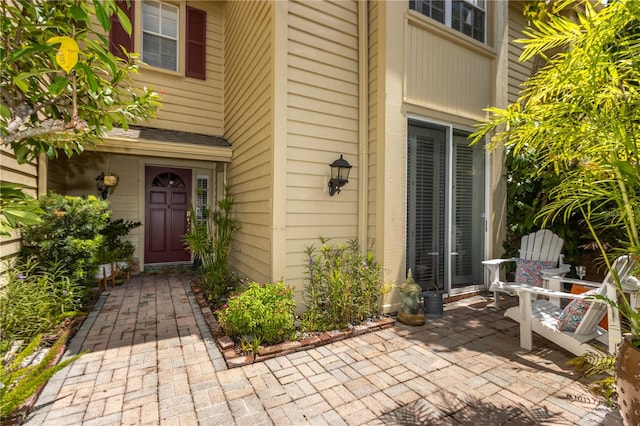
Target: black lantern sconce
(339, 175)
(105, 184)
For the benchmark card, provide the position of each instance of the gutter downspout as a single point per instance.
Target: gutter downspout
(363, 125)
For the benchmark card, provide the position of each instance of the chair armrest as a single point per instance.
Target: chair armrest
(560, 279)
(560, 271)
(493, 265)
(558, 294)
(498, 261)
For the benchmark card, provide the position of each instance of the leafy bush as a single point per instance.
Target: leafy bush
(36, 299)
(114, 249)
(343, 286)
(264, 311)
(69, 234)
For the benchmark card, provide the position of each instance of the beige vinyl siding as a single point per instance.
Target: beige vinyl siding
(24, 174)
(374, 113)
(249, 129)
(189, 104)
(518, 71)
(322, 123)
(445, 72)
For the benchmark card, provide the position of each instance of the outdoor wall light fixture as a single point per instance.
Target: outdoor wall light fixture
(339, 175)
(105, 184)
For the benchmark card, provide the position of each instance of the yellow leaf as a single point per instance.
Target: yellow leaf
(67, 56)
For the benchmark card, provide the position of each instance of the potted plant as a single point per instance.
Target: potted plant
(116, 254)
(580, 115)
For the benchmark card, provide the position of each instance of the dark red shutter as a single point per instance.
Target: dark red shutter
(196, 43)
(117, 35)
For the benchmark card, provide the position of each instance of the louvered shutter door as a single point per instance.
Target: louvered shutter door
(196, 43)
(117, 35)
(426, 209)
(426, 203)
(463, 208)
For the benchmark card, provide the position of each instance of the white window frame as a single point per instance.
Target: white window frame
(177, 38)
(203, 197)
(448, 13)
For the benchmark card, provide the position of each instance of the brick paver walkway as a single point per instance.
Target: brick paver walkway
(151, 360)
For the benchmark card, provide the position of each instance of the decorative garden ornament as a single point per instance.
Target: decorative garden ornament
(410, 312)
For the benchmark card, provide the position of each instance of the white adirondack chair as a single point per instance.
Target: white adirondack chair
(540, 246)
(541, 315)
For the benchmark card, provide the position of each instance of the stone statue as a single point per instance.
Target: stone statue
(410, 312)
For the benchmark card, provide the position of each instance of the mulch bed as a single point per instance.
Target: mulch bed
(235, 358)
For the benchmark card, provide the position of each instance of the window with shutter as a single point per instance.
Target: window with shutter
(160, 35)
(196, 43)
(118, 37)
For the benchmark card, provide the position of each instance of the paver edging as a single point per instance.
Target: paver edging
(234, 359)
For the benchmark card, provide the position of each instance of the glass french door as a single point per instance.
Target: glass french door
(445, 208)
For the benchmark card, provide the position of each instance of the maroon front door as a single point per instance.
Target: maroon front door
(168, 198)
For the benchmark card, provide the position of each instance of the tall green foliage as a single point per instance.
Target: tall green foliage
(528, 189)
(35, 299)
(343, 286)
(580, 114)
(210, 242)
(69, 234)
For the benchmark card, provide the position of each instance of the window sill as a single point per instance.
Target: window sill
(147, 67)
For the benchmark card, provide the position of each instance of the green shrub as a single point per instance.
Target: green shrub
(36, 299)
(343, 286)
(69, 234)
(114, 248)
(266, 312)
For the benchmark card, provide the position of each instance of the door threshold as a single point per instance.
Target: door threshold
(158, 268)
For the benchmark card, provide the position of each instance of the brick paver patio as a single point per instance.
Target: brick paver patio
(152, 360)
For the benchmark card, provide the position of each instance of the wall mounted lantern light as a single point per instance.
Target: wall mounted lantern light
(105, 184)
(339, 174)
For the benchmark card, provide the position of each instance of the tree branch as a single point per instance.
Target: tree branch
(47, 127)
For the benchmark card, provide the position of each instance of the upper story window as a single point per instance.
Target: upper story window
(164, 34)
(466, 16)
(160, 35)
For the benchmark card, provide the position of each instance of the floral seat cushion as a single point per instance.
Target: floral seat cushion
(529, 271)
(572, 314)
(579, 289)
